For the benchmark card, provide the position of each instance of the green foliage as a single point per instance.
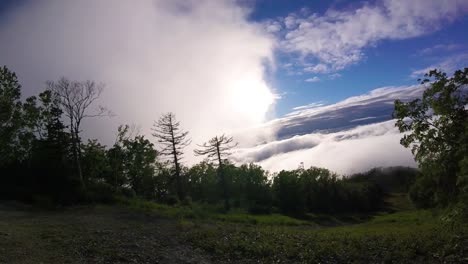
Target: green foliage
(411, 237)
(10, 117)
(204, 183)
(94, 162)
(319, 190)
(134, 160)
(436, 129)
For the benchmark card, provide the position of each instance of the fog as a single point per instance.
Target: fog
(201, 60)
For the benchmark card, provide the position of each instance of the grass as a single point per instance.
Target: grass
(209, 213)
(139, 231)
(407, 237)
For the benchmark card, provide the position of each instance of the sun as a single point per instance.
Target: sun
(251, 97)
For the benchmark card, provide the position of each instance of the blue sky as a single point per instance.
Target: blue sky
(384, 62)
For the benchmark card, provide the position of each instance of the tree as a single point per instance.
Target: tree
(10, 115)
(48, 159)
(75, 98)
(95, 163)
(173, 140)
(204, 182)
(436, 129)
(132, 162)
(218, 148)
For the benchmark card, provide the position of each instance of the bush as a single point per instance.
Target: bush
(127, 192)
(100, 192)
(256, 208)
(422, 193)
(187, 201)
(172, 200)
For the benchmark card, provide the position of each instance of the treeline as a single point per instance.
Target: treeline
(44, 160)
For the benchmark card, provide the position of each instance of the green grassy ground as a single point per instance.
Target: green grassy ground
(136, 231)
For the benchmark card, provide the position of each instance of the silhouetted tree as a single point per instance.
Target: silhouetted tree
(219, 148)
(10, 116)
(133, 162)
(49, 161)
(172, 140)
(75, 98)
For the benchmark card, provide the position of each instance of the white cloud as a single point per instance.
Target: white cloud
(347, 152)
(338, 37)
(313, 79)
(439, 48)
(273, 27)
(334, 76)
(353, 135)
(290, 21)
(309, 106)
(201, 59)
(319, 68)
(447, 65)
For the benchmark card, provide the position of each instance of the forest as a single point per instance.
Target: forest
(46, 163)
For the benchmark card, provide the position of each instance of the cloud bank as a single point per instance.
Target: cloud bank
(347, 152)
(201, 59)
(350, 136)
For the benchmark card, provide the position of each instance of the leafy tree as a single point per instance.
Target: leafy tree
(288, 192)
(219, 148)
(173, 140)
(250, 185)
(135, 158)
(204, 182)
(140, 157)
(95, 161)
(49, 159)
(435, 128)
(10, 116)
(75, 99)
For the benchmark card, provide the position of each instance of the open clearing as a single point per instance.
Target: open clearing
(124, 234)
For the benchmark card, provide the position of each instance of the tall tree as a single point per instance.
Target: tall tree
(49, 160)
(173, 140)
(76, 98)
(436, 129)
(219, 148)
(10, 115)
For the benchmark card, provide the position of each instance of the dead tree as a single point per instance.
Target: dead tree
(218, 148)
(75, 99)
(172, 140)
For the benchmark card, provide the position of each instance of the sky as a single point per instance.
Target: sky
(294, 82)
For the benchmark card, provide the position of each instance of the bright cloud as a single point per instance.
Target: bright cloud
(350, 136)
(202, 60)
(448, 65)
(338, 38)
(347, 152)
(319, 68)
(313, 79)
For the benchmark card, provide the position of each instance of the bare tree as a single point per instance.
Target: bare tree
(218, 148)
(173, 140)
(75, 99)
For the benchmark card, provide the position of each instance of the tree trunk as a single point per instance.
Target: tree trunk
(180, 192)
(76, 151)
(227, 206)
